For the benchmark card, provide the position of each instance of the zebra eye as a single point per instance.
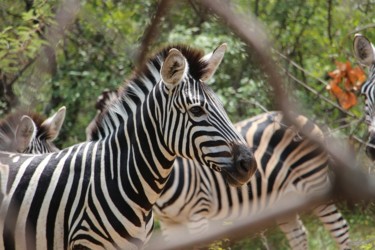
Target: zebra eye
(197, 111)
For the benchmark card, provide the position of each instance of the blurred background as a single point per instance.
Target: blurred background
(48, 59)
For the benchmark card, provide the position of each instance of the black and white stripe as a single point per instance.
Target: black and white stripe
(194, 194)
(99, 194)
(368, 90)
(365, 54)
(287, 163)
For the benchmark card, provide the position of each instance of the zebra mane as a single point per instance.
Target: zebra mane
(9, 124)
(109, 105)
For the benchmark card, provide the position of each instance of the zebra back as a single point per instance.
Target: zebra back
(30, 132)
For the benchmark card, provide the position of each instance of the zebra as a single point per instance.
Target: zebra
(99, 194)
(365, 53)
(287, 162)
(30, 132)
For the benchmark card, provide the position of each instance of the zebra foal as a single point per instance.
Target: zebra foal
(99, 194)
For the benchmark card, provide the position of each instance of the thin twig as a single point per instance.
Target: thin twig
(255, 103)
(361, 28)
(20, 73)
(296, 65)
(348, 113)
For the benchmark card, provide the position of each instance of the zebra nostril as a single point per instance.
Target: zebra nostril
(245, 164)
(244, 160)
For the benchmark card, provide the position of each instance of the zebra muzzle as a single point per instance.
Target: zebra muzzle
(244, 166)
(244, 160)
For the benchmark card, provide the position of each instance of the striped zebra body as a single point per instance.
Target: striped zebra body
(99, 194)
(287, 163)
(29, 132)
(365, 53)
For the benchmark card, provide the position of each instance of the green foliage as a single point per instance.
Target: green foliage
(97, 54)
(99, 48)
(22, 42)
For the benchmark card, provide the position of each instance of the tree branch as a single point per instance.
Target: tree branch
(151, 32)
(329, 20)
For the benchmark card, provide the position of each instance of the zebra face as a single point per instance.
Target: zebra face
(196, 125)
(365, 53)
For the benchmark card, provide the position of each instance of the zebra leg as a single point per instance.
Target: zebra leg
(295, 232)
(335, 224)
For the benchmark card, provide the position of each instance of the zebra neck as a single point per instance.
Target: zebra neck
(139, 161)
(136, 152)
(133, 94)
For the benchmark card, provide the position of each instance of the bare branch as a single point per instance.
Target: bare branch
(64, 19)
(19, 73)
(296, 65)
(329, 19)
(152, 31)
(361, 28)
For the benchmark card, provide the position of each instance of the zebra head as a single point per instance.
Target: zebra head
(364, 51)
(194, 123)
(26, 132)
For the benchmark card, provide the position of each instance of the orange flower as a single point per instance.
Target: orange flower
(345, 81)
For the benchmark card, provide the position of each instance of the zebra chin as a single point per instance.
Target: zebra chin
(235, 179)
(243, 168)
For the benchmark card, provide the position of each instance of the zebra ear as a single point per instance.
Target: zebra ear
(213, 59)
(174, 68)
(363, 50)
(25, 132)
(54, 123)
